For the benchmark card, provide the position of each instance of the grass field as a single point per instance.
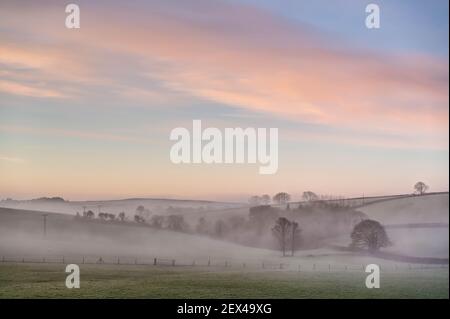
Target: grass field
(117, 281)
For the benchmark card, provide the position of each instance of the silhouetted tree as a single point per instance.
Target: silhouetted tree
(89, 214)
(309, 196)
(281, 232)
(369, 234)
(282, 198)
(121, 216)
(421, 188)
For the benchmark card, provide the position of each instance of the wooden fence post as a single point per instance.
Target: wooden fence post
(154, 262)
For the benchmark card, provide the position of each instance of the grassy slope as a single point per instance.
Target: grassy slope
(47, 281)
(431, 208)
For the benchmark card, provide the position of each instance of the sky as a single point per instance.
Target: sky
(87, 113)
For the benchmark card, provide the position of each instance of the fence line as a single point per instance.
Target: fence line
(167, 262)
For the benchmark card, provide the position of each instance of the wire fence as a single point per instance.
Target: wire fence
(216, 263)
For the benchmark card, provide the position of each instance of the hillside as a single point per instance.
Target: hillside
(432, 208)
(155, 205)
(21, 233)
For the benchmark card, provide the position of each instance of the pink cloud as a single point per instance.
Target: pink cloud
(247, 58)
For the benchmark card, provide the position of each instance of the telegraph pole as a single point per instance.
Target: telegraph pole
(45, 225)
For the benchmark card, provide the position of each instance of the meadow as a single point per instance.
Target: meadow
(125, 281)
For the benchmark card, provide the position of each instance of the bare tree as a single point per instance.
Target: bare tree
(309, 196)
(369, 234)
(121, 216)
(421, 188)
(281, 232)
(282, 198)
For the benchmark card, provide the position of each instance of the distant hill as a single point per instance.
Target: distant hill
(129, 205)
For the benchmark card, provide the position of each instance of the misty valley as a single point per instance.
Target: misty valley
(159, 246)
(193, 230)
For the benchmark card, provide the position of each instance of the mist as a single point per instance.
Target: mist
(200, 231)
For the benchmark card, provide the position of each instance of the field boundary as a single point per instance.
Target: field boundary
(210, 263)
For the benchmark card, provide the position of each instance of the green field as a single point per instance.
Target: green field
(120, 281)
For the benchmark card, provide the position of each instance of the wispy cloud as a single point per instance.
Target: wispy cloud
(11, 159)
(244, 57)
(27, 90)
